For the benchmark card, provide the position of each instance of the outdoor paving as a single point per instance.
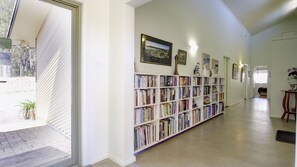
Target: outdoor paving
(20, 141)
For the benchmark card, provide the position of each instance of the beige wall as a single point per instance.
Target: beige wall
(212, 26)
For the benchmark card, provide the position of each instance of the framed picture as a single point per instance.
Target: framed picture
(155, 51)
(215, 66)
(182, 57)
(206, 61)
(234, 71)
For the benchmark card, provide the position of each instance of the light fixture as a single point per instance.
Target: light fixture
(193, 47)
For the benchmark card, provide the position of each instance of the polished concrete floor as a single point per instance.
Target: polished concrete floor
(243, 137)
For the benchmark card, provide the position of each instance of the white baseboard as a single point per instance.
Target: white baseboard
(95, 160)
(122, 162)
(235, 103)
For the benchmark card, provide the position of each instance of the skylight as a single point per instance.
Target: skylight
(7, 10)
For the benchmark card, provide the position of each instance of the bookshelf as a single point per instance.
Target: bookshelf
(184, 115)
(166, 105)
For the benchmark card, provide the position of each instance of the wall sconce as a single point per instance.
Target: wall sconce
(193, 47)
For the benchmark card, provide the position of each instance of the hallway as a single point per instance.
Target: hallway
(244, 136)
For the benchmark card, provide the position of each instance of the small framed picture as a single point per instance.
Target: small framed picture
(206, 61)
(235, 69)
(182, 57)
(155, 51)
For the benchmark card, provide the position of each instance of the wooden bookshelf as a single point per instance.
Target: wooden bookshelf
(166, 105)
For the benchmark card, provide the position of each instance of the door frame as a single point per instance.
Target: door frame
(75, 8)
(227, 80)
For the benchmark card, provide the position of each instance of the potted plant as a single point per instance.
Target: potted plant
(28, 109)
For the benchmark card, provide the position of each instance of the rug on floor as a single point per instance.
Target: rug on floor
(285, 136)
(35, 158)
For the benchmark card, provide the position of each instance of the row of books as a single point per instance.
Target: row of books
(196, 91)
(183, 105)
(196, 114)
(214, 81)
(184, 81)
(168, 81)
(221, 81)
(214, 109)
(221, 88)
(184, 121)
(144, 114)
(145, 97)
(184, 92)
(206, 90)
(221, 107)
(167, 94)
(144, 81)
(196, 102)
(167, 109)
(214, 98)
(197, 81)
(221, 96)
(214, 89)
(206, 112)
(206, 81)
(167, 127)
(144, 135)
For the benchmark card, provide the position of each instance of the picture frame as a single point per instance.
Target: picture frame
(215, 66)
(235, 69)
(206, 61)
(182, 57)
(155, 51)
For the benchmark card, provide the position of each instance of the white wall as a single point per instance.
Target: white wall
(107, 81)
(283, 57)
(209, 23)
(95, 84)
(121, 103)
(54, 70)
(261, 44)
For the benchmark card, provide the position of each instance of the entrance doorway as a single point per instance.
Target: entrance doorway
(49, 99)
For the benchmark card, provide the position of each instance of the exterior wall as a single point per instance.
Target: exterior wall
(54, 70)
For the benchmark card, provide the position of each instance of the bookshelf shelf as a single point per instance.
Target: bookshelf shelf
(167, 105)
(148, 122)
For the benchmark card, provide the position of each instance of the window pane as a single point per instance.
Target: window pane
(7, 9)
(261, 76)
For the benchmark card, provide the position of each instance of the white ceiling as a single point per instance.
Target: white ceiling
(255, 16)
(30, 17)
(258, 15)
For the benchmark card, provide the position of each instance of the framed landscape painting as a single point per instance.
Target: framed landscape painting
(155, 51)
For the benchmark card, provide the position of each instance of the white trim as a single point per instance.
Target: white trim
(239, 101)
(284, 38)
(75, 8)
(137, 3)
(121, 162)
